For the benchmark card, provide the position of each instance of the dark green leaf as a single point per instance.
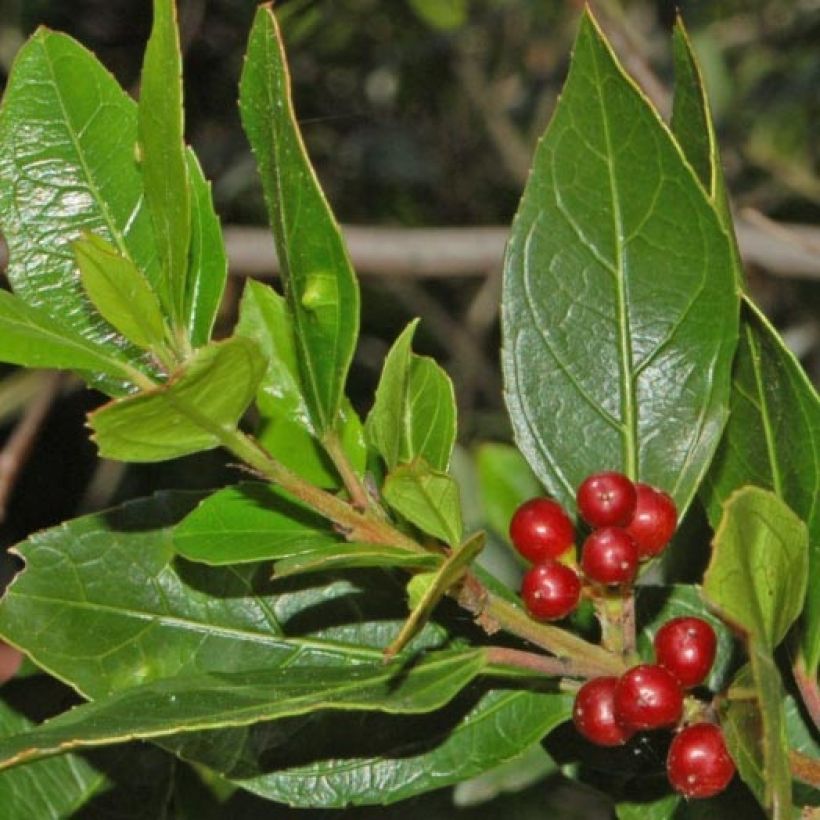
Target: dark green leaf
(427, 498)
(251, 522)
(349, 556)
(190, 413)
(162, 156)
(286, 428)
(53, 788)
(67, 135)
(319, 282)
(773, 440)
(620, 311)
(193, 703)
(506, 482)
(757, 575)
(115, 612)
(378, 760)
(207, 263)
(755, 731)
(414, 414)
(120, 292)
(31, 337)
(656, 605)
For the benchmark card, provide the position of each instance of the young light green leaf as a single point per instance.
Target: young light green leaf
(286, 429)
(251, 522)
(506, 481)
(619, 309)
(353, 556)
(665, 808)
(427, 498)
(32, 338)
(120, 292)
(772, 440)
(427, 589)
(444, 15)
(67, 134)
(188, 414)
(754, 726)
(320, 285)
(162, 156)
(414, 413)
(207, 260)
(757, 575)
(217, 700)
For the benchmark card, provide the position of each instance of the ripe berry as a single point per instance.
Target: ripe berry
(540, 529)
(654, 522)
(550, 590)
(593, 713)
(607, 499)
(698, 764)
(648, 697)
(686, 647)
(610, 556)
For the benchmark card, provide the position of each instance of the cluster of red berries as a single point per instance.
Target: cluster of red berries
(631, 523)
(608, 710)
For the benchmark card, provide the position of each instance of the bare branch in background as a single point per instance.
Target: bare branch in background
(784, 250)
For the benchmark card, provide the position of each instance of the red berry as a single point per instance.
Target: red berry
(540, 529)
(654, 522)
(686, 647)
(648, 697)
(610, 556)
(607, 499)
(550, 590)
(593, 713)
(698, 764)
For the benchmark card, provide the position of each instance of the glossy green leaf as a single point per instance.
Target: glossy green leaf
(251, 522)
(414, 412)
(31, 337)
(48, 789)
(211, 701)
(101, 605)
(755, 732)
(773, 440)
(655, 605)
(286, 429)
(320, 285)
(427, 498)
(372, 759)
(207, 261)
(619, 307)
(506, 481)
(352, 556)
(190, 413)
(757, 575)
(120, 292)
(162, 156)
(67, 134)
